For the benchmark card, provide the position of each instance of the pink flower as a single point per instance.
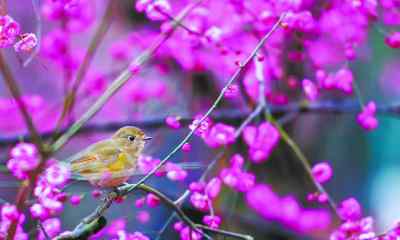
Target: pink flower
(188, 234)
(175, 172)
(173, 122)
(141, 5)
(344, 80)
(137, 236)
(152, 200)
(38, 211)
(212, 221)
(9, 212)
(367, 119)
(219, 135)
(264, 201)
(199, 201)
(310, 90)
(232, 91)
(213, 188)
(156, 10)
(201, 128)
(261, 141)
(322, 172)
(75, 199)
(186, 147)
(393, 40)
(52, 227)
(24, 159)
(143, 216)
(27, 42)
(350, 209)
(9, 30)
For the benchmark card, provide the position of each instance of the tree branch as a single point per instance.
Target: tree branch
(124, 190)
(101, 31)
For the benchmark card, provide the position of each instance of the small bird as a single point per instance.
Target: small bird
(110, 162)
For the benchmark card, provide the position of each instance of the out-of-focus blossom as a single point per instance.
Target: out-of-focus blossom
(9, 30)
(287, 210)
(152, 200)
(367, 119)
(393, 40)
(173, 122)
(350, 209)
(187, 147)
(213, 221)
(213, 188)
(175, 172)
(220, 135)
(52, 227)
(27, 42)
(261, 140)
(201, 127)
(322, 172)
(24, 158)
(143, 216)
(310, 90)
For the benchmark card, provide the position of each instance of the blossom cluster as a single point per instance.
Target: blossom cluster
(10, 34)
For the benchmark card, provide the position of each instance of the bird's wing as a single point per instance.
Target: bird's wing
(95, 158)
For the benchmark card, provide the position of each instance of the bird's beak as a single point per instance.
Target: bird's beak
(147, 138)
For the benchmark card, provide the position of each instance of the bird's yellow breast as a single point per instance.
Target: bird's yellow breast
(120, 163)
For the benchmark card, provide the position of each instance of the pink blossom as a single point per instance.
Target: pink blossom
(75, 199)
(344, 80)
(187, 147)
(199, 201)
(197, 186)
(96, 193)
(175, 172)
(152, 200)
(137, 236)
(38, 211)
(232, 91)
(173, 122)
(27, 42)
(393, 40)
(212, 221)
(310, 90)
(201, 127)
(188, 234)
(143, 216)
(52, 227)
(367, 119)
(24, 159)
(219, 135)
(261, 141)
(350, 209)
(9, 30)
(141, 5)
(155, 10)
(140, 202)
(213, 188)
(322, 172)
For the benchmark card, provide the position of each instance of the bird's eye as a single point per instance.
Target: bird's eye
(131, 138)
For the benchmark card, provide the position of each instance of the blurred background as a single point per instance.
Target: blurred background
(365, 164)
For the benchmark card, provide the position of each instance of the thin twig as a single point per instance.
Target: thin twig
(100, 32)
(41, 227)
(235, 76)
(120, 80)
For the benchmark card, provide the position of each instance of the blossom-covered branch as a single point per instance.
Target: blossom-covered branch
(89, 227)
(122, 79)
